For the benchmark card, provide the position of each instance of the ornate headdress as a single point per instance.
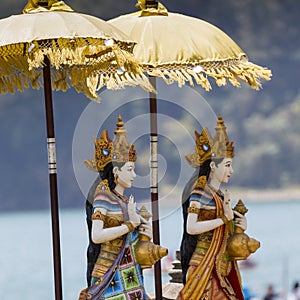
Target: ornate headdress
(209, 148)
(107, 151)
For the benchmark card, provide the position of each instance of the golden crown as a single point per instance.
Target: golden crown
(107, 151)
(209, 148)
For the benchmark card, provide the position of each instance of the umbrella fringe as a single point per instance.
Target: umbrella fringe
(112, 84)
(188, 77)
(181, 76)
(119, 56)
(92, 83)
(87, 87)
(201, 80)
(158, 73)
(238, 70)
(176, 75)
(12, 81)
(232, 70)
(101, 82)
(99, 64)
(82, 84)
(128, 78)
(63, 52)
(59, 80)
(119, 81)
(143, 82)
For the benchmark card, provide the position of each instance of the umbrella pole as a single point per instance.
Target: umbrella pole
(154, 185)
(52, 179)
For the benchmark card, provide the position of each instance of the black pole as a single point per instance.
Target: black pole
(154, 185)
(52, 179)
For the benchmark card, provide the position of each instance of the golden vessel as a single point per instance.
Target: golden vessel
(240, 245)
(147, 253)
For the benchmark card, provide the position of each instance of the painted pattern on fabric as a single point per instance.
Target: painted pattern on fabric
(127, 282)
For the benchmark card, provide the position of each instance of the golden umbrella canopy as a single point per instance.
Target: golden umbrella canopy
(84, 51)
(49, 45)
(180, 48)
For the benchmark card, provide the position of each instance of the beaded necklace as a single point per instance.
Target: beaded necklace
(215, 191)
(122, 197)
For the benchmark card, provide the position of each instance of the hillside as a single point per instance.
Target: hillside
(263, 124)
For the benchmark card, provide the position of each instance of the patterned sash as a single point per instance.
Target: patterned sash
(96, 290)
(198, 280)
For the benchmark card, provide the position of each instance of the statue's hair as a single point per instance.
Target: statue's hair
(188, 243)
(94, 249)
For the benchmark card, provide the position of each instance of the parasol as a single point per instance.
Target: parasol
(49, 45)
(182, 49)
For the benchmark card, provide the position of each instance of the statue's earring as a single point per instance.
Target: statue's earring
(212, 167)
(116, 178)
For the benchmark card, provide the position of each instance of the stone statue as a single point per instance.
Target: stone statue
(119, 233)
(213, 238)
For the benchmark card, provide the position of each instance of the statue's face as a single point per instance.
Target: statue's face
(126, 175)
(223, 171)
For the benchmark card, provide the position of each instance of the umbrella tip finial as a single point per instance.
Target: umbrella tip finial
(45, 5)
(151, 8)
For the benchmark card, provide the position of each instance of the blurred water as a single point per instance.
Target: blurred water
(26, 250)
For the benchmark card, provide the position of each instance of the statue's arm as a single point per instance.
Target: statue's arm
(194, 226)
(102, 235)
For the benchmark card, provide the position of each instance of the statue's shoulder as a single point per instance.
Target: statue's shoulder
(201, 193)
(104, 197)
(196, 194)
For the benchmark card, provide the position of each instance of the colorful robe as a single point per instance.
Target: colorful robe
(116, 275)
(211, 274)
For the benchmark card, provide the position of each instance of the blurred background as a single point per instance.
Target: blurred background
(264, 126)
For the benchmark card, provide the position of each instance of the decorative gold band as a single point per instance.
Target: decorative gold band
(224, 219)
(51, 155)
(193, 209)
(97, 215)
(129, 225)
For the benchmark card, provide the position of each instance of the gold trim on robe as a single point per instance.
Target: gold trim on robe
(213, 268)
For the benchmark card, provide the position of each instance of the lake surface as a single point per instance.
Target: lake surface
(26, 250)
